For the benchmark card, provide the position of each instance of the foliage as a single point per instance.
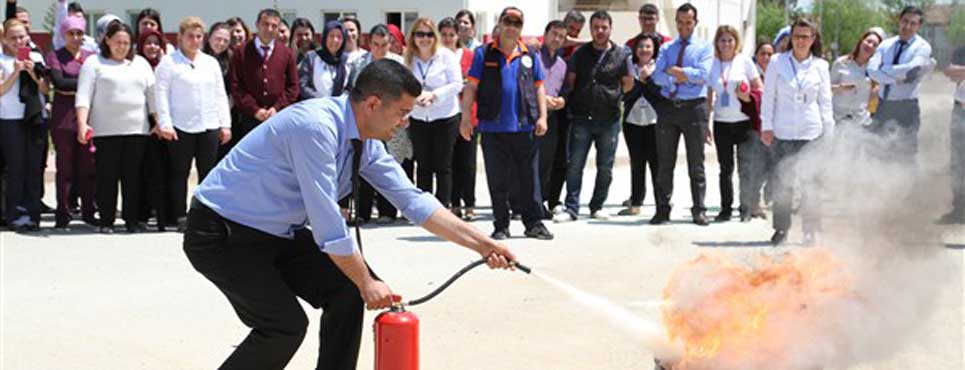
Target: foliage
(843, 22)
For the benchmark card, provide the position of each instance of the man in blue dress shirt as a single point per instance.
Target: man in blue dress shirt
(247, 230)
(681, 70)
(899, 66)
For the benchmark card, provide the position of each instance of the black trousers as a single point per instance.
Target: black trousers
(898, 121)
(201, 147)
(263, 276)
(464, 159)
(156, 182)
(119, 158)
(785, 176)
(687, 119)
(22, 145)
(550, 144)
(512, 162)
(642, 145)
(369, 197)
(729, 136)
(557, 178)
(433, 143)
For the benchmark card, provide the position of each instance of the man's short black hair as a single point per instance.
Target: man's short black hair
(554, 24)
(386, 79)
(574, 16)
(75, 7)
(267, 12)
(649, 9)
(686, 8)
(602, 14)
(911, 9)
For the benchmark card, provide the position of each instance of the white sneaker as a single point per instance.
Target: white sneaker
(557, 210)
(563, 217)
(600, 215)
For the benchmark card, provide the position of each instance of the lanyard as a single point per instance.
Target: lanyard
(723, 72)
(797, 80)
(424, 72)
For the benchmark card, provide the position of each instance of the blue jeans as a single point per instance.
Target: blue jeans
(583, 134)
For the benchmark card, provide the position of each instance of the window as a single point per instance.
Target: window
(132, 19)
(402, 19)
(92, 17)
(334, 15)
(288, 15)
(593, 5)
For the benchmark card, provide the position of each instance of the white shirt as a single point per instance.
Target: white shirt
(739, 70)
(916, 54)
(259, 44)
(11, 108)
(119, 95)
(191, 94)
(851, 105)
(642, 112)
(354, 56)
(797, 99)
(442, 75)
(323, 77)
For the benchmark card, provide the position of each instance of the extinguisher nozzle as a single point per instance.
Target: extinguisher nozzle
(522, 268)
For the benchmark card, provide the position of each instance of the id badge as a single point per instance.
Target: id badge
(801, 98)
(725, 99)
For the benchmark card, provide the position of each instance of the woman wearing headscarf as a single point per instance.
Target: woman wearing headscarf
(324, 71)
(154, 173)
(75, 162)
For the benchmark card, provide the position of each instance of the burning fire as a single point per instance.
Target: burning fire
(724, 315)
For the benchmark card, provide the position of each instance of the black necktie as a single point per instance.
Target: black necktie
(901, 47)
(353, 203)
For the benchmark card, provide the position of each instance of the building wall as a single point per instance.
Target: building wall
(370, 12)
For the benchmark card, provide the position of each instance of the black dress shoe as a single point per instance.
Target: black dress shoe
(724, 215)
(779, 237)
(136, 227)
(539, 232)
(500, 234)
(701, 219)
(45, 209)
(660, 218)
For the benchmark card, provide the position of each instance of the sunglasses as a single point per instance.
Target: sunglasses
(513, 23)
(424, 34)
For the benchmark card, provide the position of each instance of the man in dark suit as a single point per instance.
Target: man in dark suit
(264, 78)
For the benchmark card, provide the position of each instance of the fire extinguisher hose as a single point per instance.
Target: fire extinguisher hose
(455, 277)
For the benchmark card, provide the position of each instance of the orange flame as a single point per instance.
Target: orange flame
(724, 314)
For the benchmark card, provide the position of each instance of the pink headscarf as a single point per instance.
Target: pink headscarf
(71, 23)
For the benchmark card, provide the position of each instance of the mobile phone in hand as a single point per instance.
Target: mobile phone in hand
(23, 54)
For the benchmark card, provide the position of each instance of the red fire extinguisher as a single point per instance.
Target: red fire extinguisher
(397, 330)
(397, 338)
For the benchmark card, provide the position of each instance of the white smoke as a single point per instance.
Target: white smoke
(878, 213)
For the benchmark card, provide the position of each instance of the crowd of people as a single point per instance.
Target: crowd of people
(125, 106)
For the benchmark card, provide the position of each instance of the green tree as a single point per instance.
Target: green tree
(49, 16)
(843, 22)
(770, 18)
(956, 26)
(893, 7)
